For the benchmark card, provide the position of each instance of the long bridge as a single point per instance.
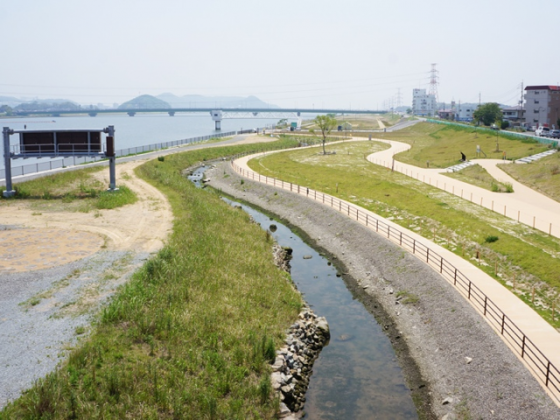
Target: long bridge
(217, 113)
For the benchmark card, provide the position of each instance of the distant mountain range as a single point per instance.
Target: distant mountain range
(165, 101)
(145, 102)
(199, 101)
(13, 102)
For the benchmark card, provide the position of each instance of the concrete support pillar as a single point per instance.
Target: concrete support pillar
(217, 117)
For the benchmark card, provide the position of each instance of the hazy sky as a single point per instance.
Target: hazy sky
(302, 53)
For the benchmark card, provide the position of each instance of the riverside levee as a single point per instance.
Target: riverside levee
(356, 375)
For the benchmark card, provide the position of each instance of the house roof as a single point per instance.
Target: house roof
(543, 87)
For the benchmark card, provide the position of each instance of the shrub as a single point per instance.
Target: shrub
(509, 187)
(491, 238)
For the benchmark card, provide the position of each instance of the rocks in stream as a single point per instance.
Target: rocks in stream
(293, 365)
(304, 341)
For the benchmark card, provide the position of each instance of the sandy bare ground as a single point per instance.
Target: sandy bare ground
(53, 236)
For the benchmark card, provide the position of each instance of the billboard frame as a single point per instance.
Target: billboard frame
(109, 152)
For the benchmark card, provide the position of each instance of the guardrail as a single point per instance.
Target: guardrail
(545, 372)
(79, 160)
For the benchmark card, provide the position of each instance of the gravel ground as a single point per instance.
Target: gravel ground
(41, 310)
(432, 337)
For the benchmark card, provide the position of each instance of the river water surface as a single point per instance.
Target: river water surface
(357, 375)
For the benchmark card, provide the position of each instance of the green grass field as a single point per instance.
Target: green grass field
(191, 335)
(524, 255)
(442, 145)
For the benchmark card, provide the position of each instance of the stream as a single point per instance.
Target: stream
(357, 375)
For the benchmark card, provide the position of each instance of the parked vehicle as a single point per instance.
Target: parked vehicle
(542, 132)
(555, 134)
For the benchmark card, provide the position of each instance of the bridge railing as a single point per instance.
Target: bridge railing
(544, 371)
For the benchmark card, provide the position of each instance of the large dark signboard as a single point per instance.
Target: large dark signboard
(60, 142)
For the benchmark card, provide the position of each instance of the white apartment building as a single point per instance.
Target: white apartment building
(422, 103)
(464, 112)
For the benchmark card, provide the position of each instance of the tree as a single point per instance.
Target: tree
(325, 123)
(488, 113)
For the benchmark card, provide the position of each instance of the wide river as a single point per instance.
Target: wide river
(140, 130)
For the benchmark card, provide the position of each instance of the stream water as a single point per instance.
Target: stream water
(357, 375)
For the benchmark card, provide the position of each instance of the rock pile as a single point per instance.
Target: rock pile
(282, 256)
(294, 362)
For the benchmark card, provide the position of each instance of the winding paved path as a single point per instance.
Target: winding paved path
(524, 205)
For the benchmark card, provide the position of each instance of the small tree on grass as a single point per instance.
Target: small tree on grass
(488, 113)
(325, 123)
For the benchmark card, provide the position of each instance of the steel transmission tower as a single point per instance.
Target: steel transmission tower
(434, 82)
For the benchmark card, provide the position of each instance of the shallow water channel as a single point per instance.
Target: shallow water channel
(357, 375)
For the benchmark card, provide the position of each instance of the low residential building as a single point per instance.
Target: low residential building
(542, 105)
(514, 114)
(423, 104)
(446, 114)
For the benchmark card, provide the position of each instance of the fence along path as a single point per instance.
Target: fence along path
(531, 338)
(529, 207)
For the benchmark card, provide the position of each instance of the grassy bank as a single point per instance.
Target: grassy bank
(190, 335)
(542, 175)
(478, 176)
(524, 257)
(442, 145)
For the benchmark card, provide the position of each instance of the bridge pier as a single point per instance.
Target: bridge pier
(217, 117)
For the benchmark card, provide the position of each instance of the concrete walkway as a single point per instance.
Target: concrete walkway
(542, 334)
(523, 205)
